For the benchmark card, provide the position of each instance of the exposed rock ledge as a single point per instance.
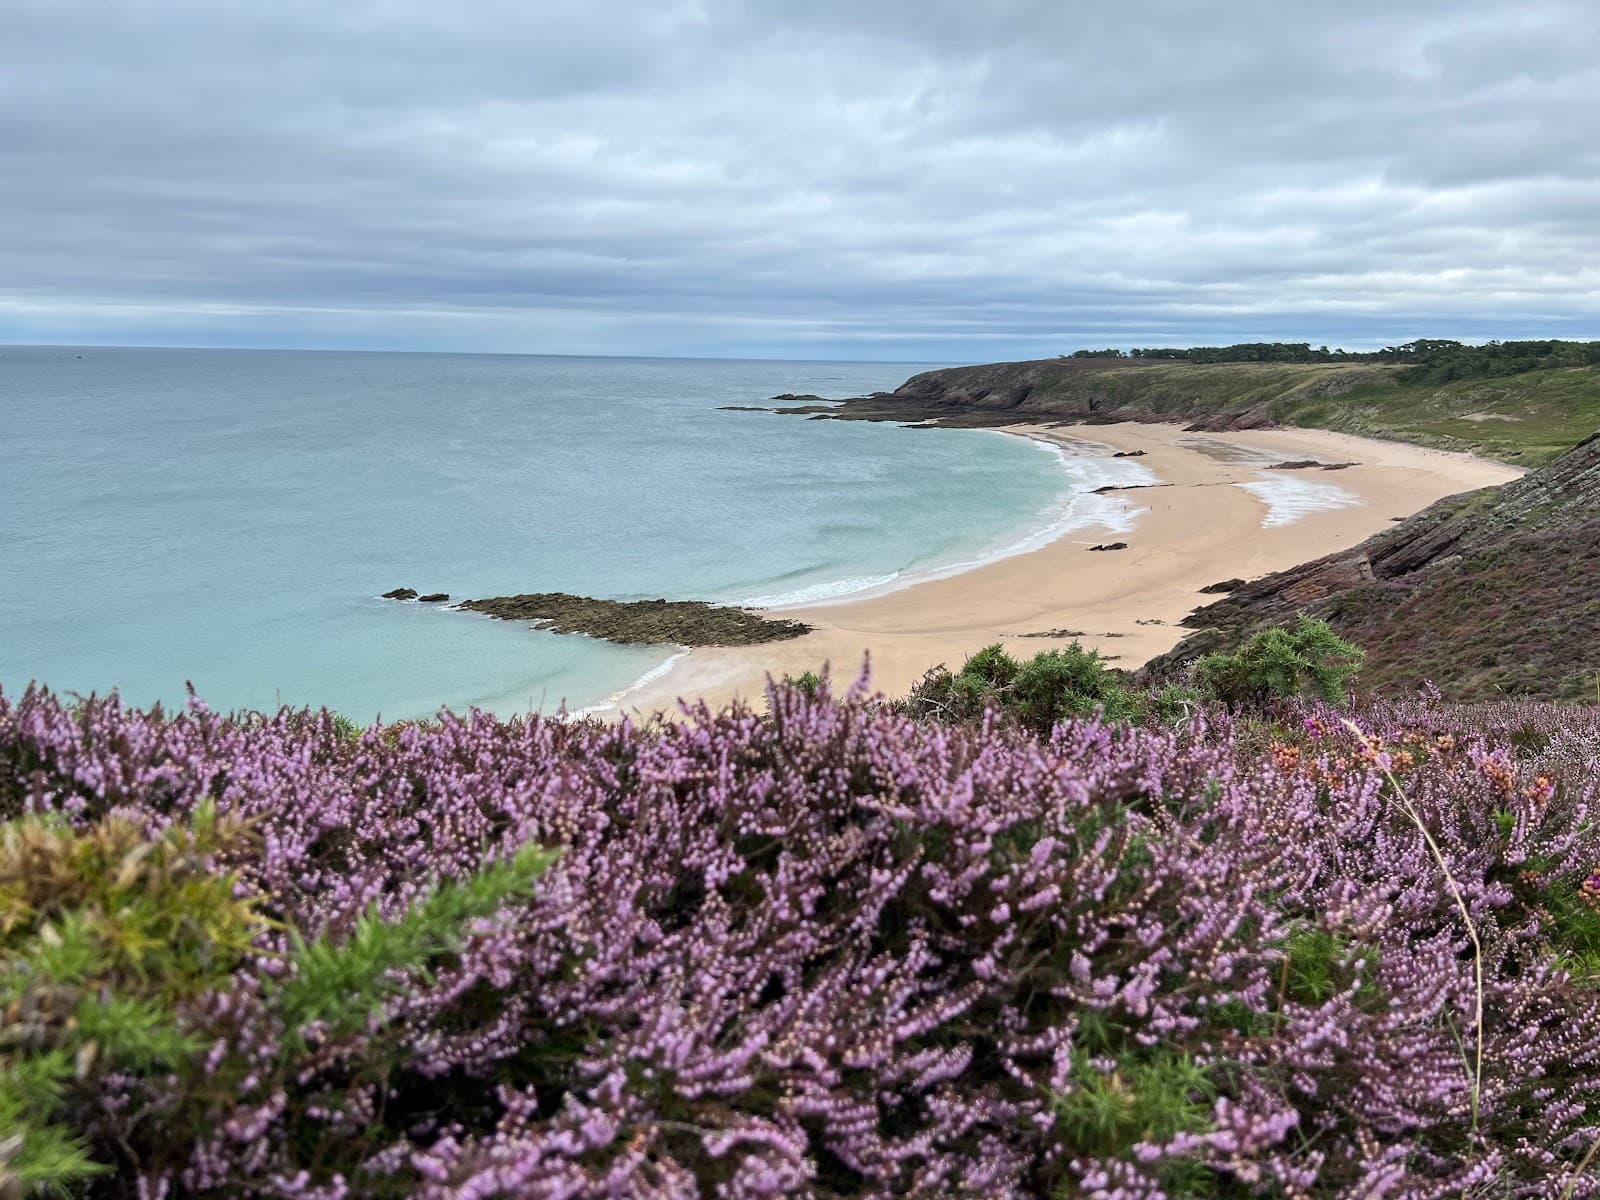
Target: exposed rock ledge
(640, 622)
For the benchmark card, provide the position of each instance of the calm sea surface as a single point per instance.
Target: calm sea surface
(230, 517)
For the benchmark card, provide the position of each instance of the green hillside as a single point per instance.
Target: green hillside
(1527, 415)
(1527, 419)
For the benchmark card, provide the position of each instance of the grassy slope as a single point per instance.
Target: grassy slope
(1524, 419)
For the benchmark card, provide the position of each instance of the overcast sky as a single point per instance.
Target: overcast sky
(950, 180)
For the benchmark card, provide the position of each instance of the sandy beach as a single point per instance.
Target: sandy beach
(1216, 511)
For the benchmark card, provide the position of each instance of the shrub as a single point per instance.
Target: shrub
(105, 935)
(1306, 659)
(1174, 703)
(836, 952)
(1036, 694)
(808, 682)
(346, 728)
(992, 666)
(114, 943)
(1073, 682)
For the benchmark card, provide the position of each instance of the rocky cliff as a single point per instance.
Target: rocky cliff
(1100, 391)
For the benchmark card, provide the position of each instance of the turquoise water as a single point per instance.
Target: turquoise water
(229, 517)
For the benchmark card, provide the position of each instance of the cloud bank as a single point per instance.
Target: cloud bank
(895, 179)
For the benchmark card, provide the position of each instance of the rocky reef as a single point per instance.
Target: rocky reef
(640, 622)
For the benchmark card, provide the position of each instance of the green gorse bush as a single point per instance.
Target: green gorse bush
(113, 938)
(1307, 659)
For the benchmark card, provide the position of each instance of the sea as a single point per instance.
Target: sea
(226, 520)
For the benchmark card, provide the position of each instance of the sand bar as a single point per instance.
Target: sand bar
(1203, 526)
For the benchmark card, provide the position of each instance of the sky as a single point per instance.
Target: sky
(928, 180)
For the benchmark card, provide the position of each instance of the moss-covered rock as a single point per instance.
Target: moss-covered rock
(640, 622)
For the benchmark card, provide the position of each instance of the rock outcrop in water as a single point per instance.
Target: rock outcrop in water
(640, 622)
(1485, 594)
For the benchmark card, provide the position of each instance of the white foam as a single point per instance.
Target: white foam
(1079, 507)
(815, 593)
(614, 701)
(1288, 500)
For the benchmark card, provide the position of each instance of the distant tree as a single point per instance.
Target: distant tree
(1425, 360)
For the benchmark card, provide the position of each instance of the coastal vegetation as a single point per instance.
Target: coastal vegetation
(1234, 926)
(834, 950)
(1303, 660)
(1433, 360)
(1035, 693)
(1519, 402)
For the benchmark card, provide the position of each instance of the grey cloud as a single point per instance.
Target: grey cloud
(928, 179)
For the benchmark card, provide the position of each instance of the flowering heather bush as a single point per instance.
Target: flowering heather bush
(832, 952)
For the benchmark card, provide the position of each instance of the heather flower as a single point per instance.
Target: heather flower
(834, 951)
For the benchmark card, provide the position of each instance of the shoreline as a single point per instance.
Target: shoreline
(1079, 507)
(1195, 525)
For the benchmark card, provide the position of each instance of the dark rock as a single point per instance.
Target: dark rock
(1307, 464)
(1067, 391)
(433, 598)
(1227, 585)
(1129, 454)
(1227, 422)
(640, 622)
(1061, 391)
(401, 594)
(1110, 546)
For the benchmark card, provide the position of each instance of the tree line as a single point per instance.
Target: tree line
(1427, 360)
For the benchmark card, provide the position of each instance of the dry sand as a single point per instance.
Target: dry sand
(1198, 529)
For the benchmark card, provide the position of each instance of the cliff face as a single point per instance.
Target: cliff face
(1490, 593)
